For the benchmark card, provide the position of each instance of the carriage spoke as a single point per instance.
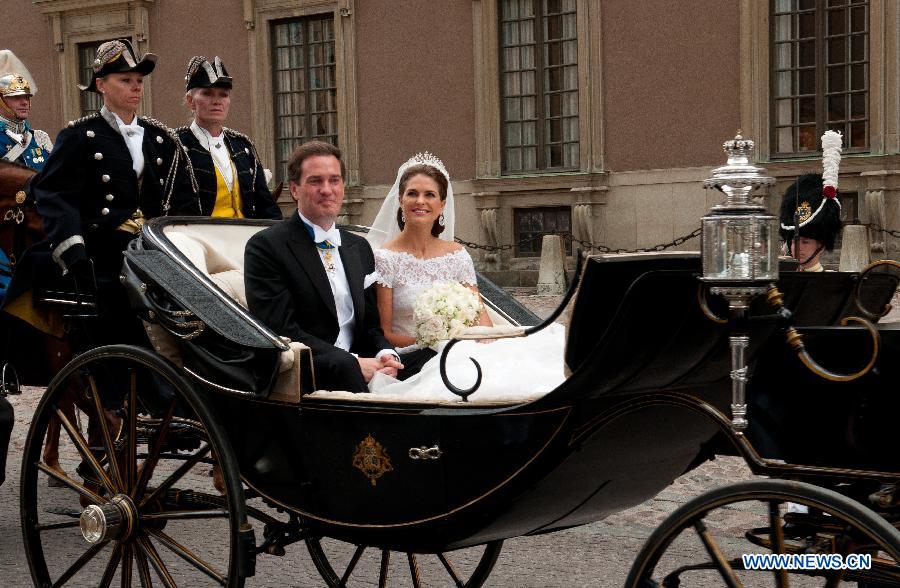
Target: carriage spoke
(352, 565)
(55, 526)
(146, 471)
(184, 515)
(776, 537)
(112, 566)
(143, 568)
(385, 565)
(69, 482)
(87, 556)
(107, 438)
(126, 566)
(174, 476)
(725, 569)
(449, 567)
(151, 554)
(188, 556)
(414, 570)
(131, 456)
(82, 445)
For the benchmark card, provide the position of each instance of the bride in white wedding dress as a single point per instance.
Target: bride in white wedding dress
(413, 241)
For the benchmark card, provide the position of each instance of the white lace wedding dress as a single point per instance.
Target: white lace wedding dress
(512, 369)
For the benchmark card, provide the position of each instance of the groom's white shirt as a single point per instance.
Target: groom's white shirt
(340, 288)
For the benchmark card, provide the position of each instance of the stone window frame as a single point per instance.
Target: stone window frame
(488, 122)
(258, 18)
(884, 118)
(73, 22)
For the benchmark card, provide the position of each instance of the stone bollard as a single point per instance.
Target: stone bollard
(552, 275)
(854, 248)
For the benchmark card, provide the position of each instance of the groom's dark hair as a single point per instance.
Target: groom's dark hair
(312, 149)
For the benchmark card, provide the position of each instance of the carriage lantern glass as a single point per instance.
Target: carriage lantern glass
(740, 255)
(739, 239)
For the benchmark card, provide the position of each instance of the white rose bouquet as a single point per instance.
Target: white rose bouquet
(443, 310)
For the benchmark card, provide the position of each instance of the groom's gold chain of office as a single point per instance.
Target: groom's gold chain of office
(586, 245)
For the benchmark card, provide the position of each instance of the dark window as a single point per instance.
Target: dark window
(90, 101)
(820, 74)
(539, 85)
(305, 90)
(533, 223)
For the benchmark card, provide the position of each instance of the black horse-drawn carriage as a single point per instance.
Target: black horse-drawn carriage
(221, 424)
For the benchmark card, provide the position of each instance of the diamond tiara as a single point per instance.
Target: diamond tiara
(425, 158)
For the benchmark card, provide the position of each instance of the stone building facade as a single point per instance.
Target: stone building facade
(598, 118)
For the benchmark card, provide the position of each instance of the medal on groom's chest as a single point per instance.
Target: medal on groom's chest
(327, 250)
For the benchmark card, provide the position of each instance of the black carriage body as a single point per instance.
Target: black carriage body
(644, 403)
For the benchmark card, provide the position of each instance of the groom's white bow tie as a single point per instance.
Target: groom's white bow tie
(332, 235)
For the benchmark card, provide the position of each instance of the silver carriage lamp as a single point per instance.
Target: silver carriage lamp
(739, 242)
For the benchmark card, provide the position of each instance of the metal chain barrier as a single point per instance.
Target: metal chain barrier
(878, 228)
(588, 246)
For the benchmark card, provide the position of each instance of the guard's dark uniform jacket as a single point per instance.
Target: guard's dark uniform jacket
(88, 188)
(256, 199)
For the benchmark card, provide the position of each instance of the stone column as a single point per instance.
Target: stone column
(488, 203)
(882, 207)
(588, 215)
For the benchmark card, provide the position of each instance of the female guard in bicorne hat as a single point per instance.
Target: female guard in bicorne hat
(230, 178)
(811, 211)
(109, 172)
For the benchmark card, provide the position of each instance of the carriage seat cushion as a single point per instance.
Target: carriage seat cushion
(224, 267)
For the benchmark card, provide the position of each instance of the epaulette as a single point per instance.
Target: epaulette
(161, 126)
(237, 134)
(43, 139)
(177, 130)
(78, 121)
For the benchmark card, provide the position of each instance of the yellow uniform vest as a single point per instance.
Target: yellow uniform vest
(228, 202)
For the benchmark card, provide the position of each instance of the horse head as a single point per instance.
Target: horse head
(20, 225)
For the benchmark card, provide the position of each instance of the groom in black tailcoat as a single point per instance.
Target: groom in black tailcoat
(306, 279)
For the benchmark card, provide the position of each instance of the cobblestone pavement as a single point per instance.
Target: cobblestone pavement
(597, 554)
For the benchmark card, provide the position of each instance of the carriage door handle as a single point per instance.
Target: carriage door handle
(425, 452)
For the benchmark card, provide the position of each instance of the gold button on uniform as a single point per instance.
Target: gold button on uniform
(98, 156)
(109, 197)
(159, 139)
(104, 211)
(90, 134)
(104, 178)
(159, 161)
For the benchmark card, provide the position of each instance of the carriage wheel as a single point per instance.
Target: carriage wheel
(137, 503)
(359, 564)
(703, 542)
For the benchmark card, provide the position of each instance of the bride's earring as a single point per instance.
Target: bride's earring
(402, 216)
(441, 219)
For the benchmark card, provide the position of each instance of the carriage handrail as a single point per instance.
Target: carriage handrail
(862, 276)
(795, 340)
(570, 293)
